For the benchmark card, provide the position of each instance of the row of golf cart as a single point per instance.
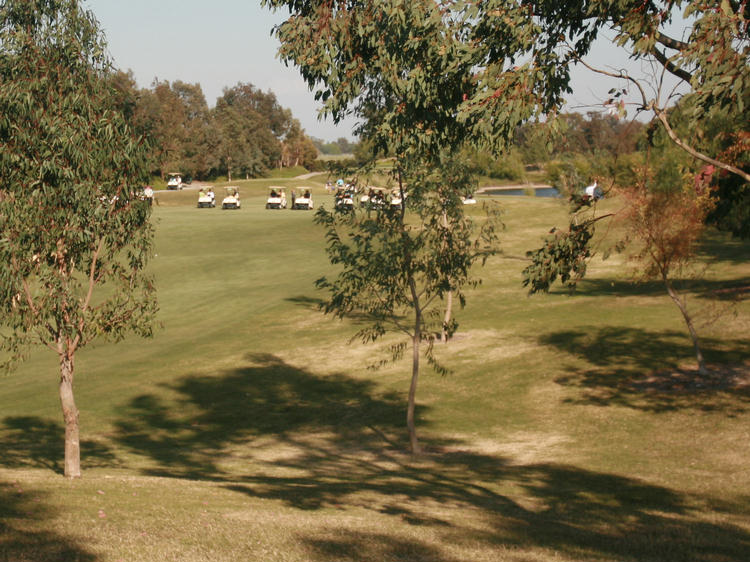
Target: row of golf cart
(376, 198)
(207, 198)
(277, 199)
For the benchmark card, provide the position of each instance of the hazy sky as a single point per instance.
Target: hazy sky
(219, 43)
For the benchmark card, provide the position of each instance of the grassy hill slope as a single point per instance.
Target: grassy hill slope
(249, 427)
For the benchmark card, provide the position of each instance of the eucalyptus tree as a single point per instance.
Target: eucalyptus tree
(394, 271)
(399, 67)
(74, 234)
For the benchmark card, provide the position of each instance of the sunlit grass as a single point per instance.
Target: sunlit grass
(249, 427)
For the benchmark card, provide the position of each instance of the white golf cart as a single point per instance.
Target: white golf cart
(304, 201)
(174, 181)
(206, 198)
(232, 200)
(374, 198)
(396, 201)
(276, 198)
(345, 198)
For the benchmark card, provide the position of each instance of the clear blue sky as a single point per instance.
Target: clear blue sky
(218, 43)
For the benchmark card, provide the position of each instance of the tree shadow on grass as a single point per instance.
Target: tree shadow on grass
(192, 421)
(310, 303)
(33, 442)
(705, 289)
(275, 432)
(647, 370)
(720, 246)
(22, 515)
(458, 497)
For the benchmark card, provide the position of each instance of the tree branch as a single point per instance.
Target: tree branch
(670, 67)
(661, 115)
(670, 42)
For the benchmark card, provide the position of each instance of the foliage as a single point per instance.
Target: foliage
(563, 255)
(665, 225)
(341, 145)
(507, 166)
(247, 133)
(399, 67)
(396, 269)
(75, 234)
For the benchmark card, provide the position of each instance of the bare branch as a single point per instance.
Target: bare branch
(661, 115)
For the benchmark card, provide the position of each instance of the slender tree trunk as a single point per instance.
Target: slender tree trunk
(415, 343)
(448, 314)
(413, 441)
(70, 416)
(689, 322)
(449, 296)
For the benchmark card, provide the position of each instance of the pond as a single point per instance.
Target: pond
(539, 191)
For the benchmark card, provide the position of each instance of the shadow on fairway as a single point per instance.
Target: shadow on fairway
(186, 435)
(721, 247)
(571, 513)
(733, 290)
(276, 432)
(22, 511)
(653, 371)
(306, 302)
(33, 442)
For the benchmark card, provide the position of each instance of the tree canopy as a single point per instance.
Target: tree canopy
(246, 133)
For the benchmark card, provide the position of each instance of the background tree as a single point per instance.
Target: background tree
(251, 126)
(297, 149)
(74, 234)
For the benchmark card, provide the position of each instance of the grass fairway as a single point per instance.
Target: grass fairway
(249, 427)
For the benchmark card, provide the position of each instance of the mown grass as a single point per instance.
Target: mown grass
(249, 427)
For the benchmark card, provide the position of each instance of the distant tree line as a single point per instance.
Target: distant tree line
(581, 147)
(340, 146)
(245, 135)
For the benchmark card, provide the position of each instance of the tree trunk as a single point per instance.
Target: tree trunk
(414, 443)
(70, 416)
(449, 296)
(689, 322)
(448, 314)
(415, 342)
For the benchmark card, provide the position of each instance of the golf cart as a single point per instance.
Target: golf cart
(174, 181)
(232, 200)
(304, 201)
(276, 198)
(396, 202)
(374, 198)
(345, 198)
(206, 198)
